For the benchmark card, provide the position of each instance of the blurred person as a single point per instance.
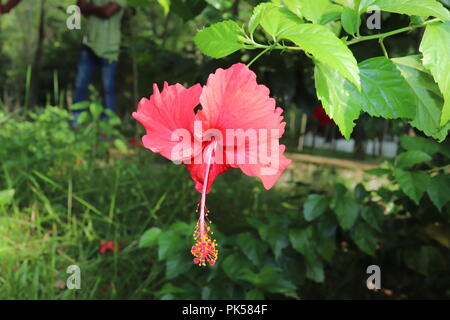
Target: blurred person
(100, 48)
(8, 6)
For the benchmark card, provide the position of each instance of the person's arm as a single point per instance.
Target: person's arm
(5, 8)
(104, 12)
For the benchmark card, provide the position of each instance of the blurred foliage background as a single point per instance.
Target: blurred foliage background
(125, 216)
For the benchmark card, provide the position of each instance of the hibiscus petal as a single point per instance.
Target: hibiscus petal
(168, 119)
(267, 173)
(232, 99)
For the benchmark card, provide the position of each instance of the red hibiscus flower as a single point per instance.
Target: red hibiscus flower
(238, 126)
(108, 245)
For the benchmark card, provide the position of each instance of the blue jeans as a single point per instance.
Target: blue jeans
(87, 63)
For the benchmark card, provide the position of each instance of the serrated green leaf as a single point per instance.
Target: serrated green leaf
(340, 98)
(149, 238)
(220, 39)
(412, 183)
(385, 93)
(255, 19)
(314, 206)
(327, 49)
(406, 160)
(439, 190)
(317, 11)
(350, 21)
(419, 143)
(430, 101)
(436, 57)
(420, 8)
(277, 20)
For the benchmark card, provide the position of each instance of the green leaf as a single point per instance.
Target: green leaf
(166, 6)
(436, 57)
(406, 160)
(264, 278)
(80, 105)
(326, 48)
(430, 101)
(314, 206)
(350, 21)
(419, 143)
(379, 172)
(317, 11)
(96, 110)
(271, 280)
(373, 214)
(276, 20)
(169, 244)
(326, 234)
(187, 9)
(340, 98)
(412, 183)
(177, 265)
(364, 238)
(255, 19)
(348, 3)
(235, 265)
(6, 196)
(275, 236)
(252, 247)
(439, 190)
(220, 4)
(121, 145)
(315, 271)
(347, 211)
(421, 8)
(254, 294)
(360, 192)
(219, 40)
(385, 93)
(301, 240)
(149, 238)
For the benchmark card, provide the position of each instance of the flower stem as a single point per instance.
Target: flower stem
(259, 55)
